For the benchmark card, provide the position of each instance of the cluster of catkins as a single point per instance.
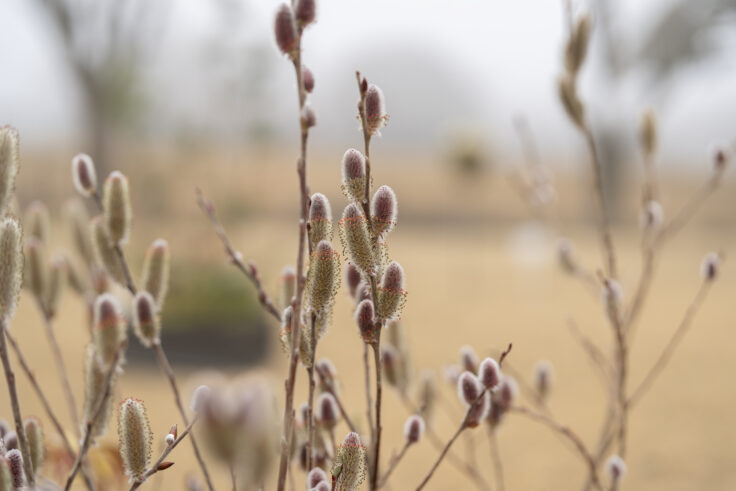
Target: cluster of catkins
(12, 473)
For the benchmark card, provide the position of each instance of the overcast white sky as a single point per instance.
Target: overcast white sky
(503, 58)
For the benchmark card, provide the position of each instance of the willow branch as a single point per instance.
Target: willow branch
(394, 463)
(250, 270)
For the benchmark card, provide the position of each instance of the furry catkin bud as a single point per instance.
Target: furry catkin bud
(320, 219)
(6, 475)
(652, 216)
(4, 428)
(322, 486)
(15, 459)
(390, 364)
(37, 273)
(710, 265)
(413, 429)
(375, 109)
(384, 209)
(324, 277)
(327, 374)
(106, 257)
(84, 174)
(352, 278)
(56, 279)
(363, 292)
(542, 378)
(489, 373)
(468, 359)
(37, 222)
(480, 410)
(577, 45)
(356, 238)
(36, 446)
(328, 413)
(287, 288)
(109, 328)
(10, 440)
(308, 117)
(508, 391)
(350, 464)
(8, 165)
(570, 101)
(427, 395)
(285, 30)
(391, 293)
(145, 319)
(452, 373)
(199, 398)
(78, 219)
(118, 212)
(366, 320)
(156, 271)
(170, 439)
(135, 437)
(648, 133)
(11, 265)
(469, 388)
(94, 390)
(307, 79)
(353, 174)
(305, 12)
(616, 468)
(315, 477)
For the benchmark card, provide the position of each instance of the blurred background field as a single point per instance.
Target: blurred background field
(185, 95)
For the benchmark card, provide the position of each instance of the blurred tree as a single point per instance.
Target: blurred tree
(105, 44)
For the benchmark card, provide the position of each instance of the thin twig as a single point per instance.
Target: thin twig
(379, 398)
(15, 404)
(394, 463)
(310, 399)
(288, 421)
(567, 433)
(249, 270)
(672, 344)
(163, 362)
(368, 396)
(156, 466)
(61, 367)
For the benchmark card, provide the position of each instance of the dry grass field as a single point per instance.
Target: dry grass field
(478, 273)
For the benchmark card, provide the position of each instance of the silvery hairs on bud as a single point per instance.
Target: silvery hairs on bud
(146, 322)
(469, 388)
(352, 279)
(156, 265)
(117, 210)
(135, 437)
(366, 319)
(356, 238)
(84, 175)
(9, 164)
(327, 373)
(384, 209)
(10, 440)
(615, 468)
(413, 429)
(285, 30)
(105, 255)
(109, 328)
(328, 414)
(94, 390)
(320, 219)
(37, 222)
(307, 79)
(37, 449)
(353, 174)
(350, 464)
(315, 477)
(11, 265)
(375, 109)
(6, 475)
(489, 373)
(391, 293)
(305, 12)
(15, 459)
(323, 278)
